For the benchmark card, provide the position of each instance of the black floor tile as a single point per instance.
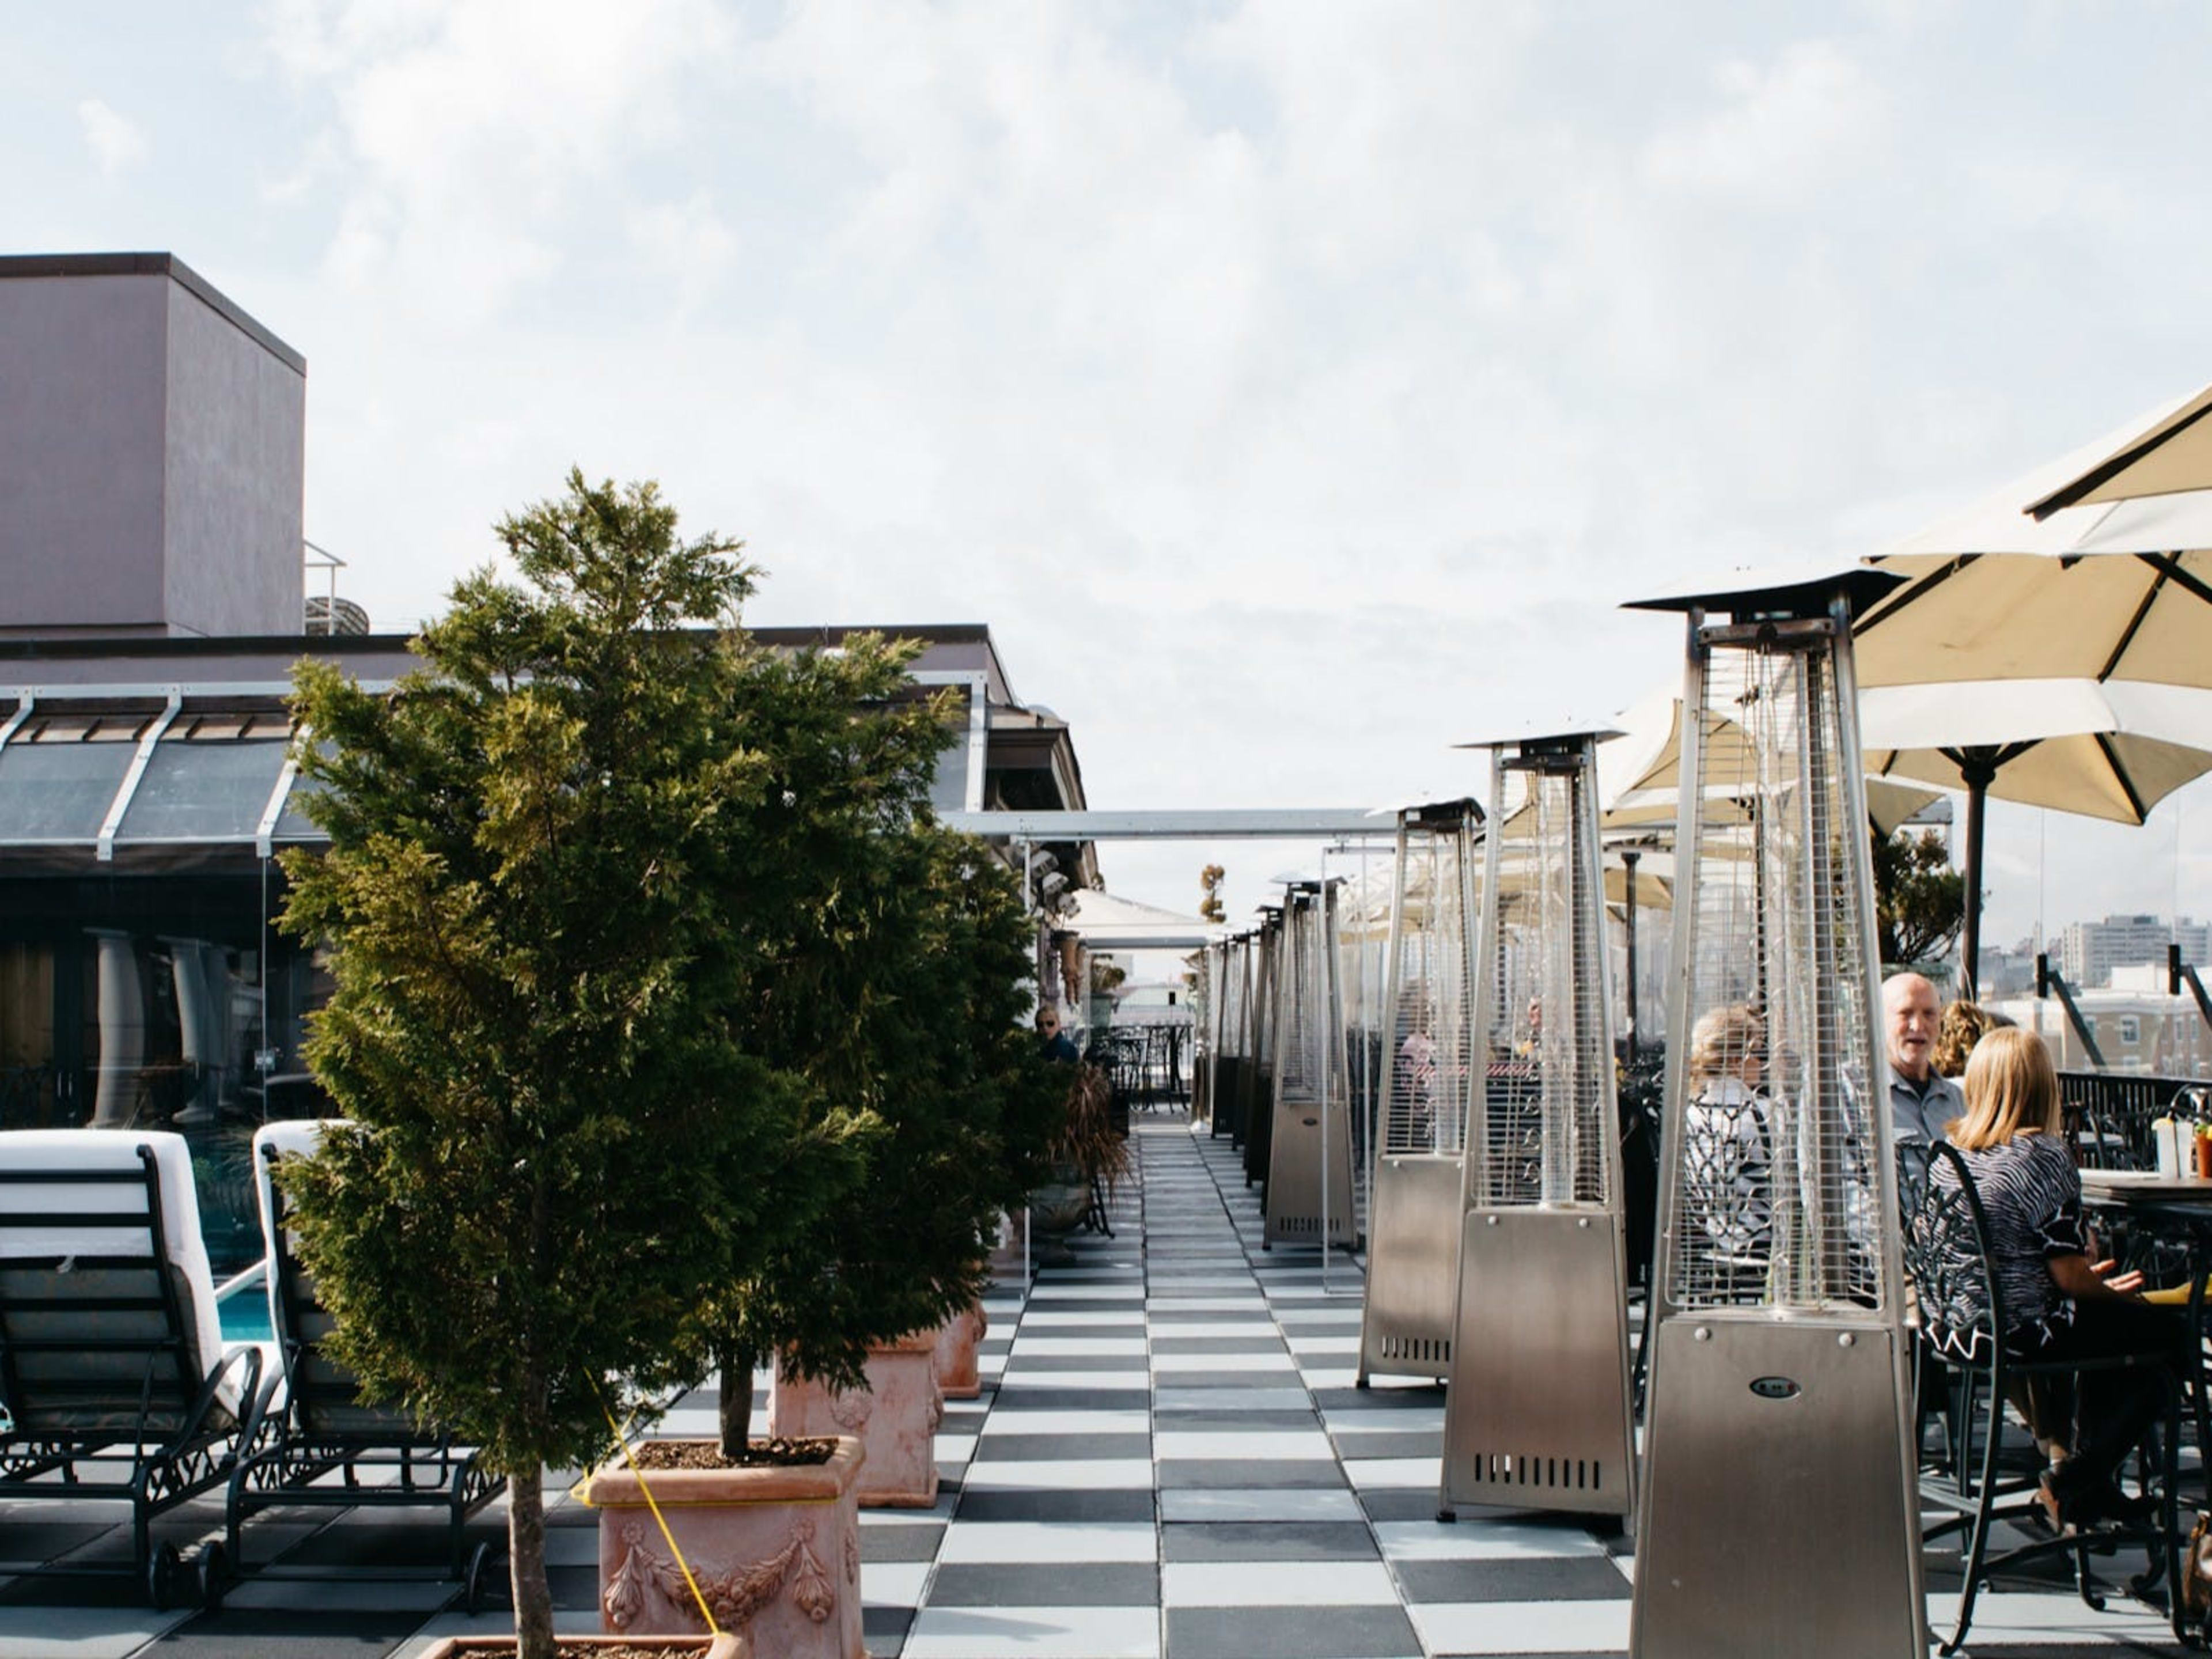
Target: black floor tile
(1382, 1397)
(1390, 1442)
(1109, 1505)
(1048, 1397)
(916, 1543)
(1266, 1541)
(1248, 1474)
(1285, 1378)
(1178, 1347)
(284, 1633)
(1181, 1420)
(1399, 1503)
(1070, 1364)
(1058, 1583)
(1380, 1632)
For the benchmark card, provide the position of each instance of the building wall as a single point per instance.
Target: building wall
(152, 455)
(84, 367)
(235, 478)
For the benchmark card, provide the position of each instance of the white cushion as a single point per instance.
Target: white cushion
(290, 1137)
(118, 1150)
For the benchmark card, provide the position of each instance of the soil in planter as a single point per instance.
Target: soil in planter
(782, 1452)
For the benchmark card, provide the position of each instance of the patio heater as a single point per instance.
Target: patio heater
(1307, 1198)
(1225, 1022)
(1539, 1413)
(1263, 1018)
(1429, 1056)
(1780, 1508)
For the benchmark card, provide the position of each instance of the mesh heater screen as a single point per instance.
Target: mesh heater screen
(1429, 1041)
(1230, 1023)
(1303, 974)
(1777, 1204)
(1548, 1099)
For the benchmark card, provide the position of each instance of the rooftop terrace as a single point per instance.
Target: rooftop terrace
(1169, 1459)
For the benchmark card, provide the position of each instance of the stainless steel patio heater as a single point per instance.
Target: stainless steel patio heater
(1308, 1197)
(1429, 1057)
(1539, 1415)
(1779, 1511)
(1262, 1019)
(1224, 1009)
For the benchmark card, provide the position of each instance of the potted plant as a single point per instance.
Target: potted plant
(560, 1142)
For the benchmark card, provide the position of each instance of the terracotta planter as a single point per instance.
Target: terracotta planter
(895, 1417)
(776, 1552)
(725, 1646)
(959, 1374)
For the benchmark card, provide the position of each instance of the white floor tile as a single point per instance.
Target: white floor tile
(1259, 1325)
(1034, 1633)
(1019, 1376)
(1255, 1399)
(1293, 1504)
(1029, 1541)
(1068, 1423)
(1411, 1419)
(1076, 1347)
(1482, 1540)
(892, 1584)
(1223, 1362)
(1521, 1627)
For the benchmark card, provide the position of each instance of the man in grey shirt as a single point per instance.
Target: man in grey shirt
(1920, 1102)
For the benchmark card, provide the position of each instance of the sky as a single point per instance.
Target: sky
(1296, 388)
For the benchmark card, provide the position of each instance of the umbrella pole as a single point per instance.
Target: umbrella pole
(1629, 858)
(1977, 769)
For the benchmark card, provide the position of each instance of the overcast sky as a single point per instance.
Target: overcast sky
(1295, 389)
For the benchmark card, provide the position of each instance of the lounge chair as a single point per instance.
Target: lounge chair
(325, 1445)
(114, 1382)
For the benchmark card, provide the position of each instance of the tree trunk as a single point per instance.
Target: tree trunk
(737, 1411)
(526, 1552)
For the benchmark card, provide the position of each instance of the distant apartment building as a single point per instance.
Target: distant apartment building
(2090, 951)
(2137, 1026)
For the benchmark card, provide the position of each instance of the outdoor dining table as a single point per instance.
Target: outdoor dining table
(2174, 1209)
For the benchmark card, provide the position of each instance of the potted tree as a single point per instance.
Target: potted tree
(560, 1141)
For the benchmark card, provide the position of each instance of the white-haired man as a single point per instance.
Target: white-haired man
(1921, 1102)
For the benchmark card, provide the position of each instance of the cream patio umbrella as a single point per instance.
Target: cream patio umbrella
(2090, 624)
(2168, 451)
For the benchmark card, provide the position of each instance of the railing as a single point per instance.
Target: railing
(2110, 1115)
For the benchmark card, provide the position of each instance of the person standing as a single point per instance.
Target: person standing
(1921, 1100)
(1055, 1042)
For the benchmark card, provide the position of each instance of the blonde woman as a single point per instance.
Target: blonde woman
(2061, 1302)
(1727, 1163)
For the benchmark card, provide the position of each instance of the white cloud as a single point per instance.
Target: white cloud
(1782, 133)
(115, 141)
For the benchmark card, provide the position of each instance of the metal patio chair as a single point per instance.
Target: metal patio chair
(115, 1385)
(1961, 1310)
(326, 1447)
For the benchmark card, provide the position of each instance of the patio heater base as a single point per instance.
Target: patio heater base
(1778, 1518)
(1294, 1175)
(1413, 1267)
(1538, 1414)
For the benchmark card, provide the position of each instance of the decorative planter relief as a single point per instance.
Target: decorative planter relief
(775, 1550)
(895, 1417)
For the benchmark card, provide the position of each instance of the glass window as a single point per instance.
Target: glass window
(2130, 1028)
(195, 790)
(948, 789)
(59, 791)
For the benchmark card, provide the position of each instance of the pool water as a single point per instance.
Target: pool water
(245, 1317)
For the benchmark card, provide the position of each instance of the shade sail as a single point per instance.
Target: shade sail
(1106, 922)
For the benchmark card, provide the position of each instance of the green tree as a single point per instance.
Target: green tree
(893, 976)
(561, 1140)
(1920, 901)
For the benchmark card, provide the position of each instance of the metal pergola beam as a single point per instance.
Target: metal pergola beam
(1280, 824)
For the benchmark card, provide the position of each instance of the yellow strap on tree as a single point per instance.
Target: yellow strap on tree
(622, 1439)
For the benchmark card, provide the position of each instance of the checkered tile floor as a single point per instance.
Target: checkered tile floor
(1169, 1461)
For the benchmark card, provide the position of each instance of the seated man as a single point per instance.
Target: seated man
(1921, 1101)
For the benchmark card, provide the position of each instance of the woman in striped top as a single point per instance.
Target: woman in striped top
(2061, 1302)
